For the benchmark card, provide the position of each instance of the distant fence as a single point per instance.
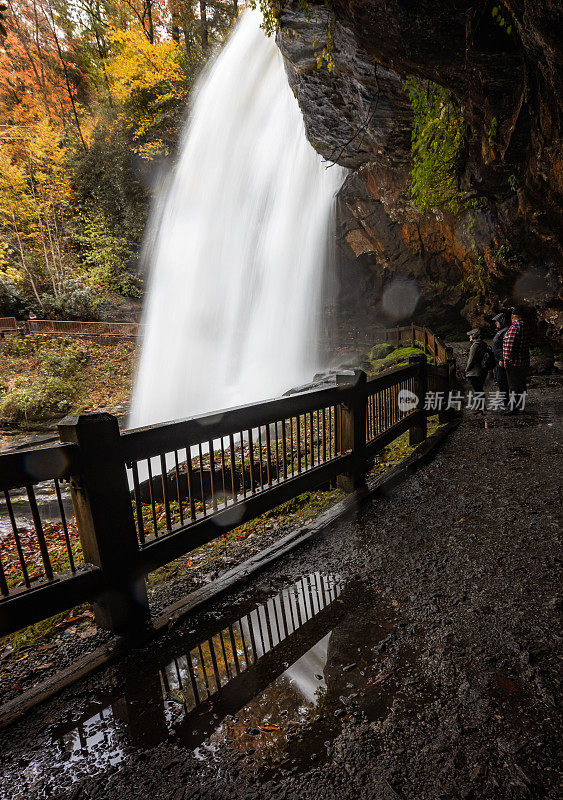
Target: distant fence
(416, 334)
(51, 327)
(8, 324)
(141, 498)
(408, 334)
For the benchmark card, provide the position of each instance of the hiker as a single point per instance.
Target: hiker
(516, 355)
(475, 372)
(502, 323)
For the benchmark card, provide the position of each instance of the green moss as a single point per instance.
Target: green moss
(323, 42)
(379, 351)
(397, 358)
(438, 144)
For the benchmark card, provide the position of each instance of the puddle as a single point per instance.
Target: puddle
(46, 502)
(272, 686)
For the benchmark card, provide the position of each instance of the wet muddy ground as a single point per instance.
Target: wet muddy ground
(413, 652)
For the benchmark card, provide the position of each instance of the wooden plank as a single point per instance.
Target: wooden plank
(28, 606)
(144, 442)
(104, 514)
(390, 377)
(33, 466)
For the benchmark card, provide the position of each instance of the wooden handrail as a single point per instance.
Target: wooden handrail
(222, 469)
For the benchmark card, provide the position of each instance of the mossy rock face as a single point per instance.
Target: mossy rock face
(380, 351)
(397, 358)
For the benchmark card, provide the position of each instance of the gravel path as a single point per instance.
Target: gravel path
(464, 560)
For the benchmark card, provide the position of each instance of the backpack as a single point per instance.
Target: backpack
(488, 361)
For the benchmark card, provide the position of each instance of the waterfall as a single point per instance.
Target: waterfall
(237, 244)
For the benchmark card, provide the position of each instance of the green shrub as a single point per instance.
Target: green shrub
(18, 346)
(439, 139)
(13, 300)
(41, 399)
(67, 363)
(49, 393)
(76, 301)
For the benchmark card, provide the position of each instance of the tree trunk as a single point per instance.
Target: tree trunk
(203, 23)
(175, 27)
(151, 28)
(65, 70)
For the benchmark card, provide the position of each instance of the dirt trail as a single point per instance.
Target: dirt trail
(462, 567)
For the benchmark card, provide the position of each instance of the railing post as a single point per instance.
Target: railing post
(413, 334)
(417, 433)
(104, 515)
(352, 432)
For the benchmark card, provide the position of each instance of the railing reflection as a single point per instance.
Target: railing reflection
(191, 692)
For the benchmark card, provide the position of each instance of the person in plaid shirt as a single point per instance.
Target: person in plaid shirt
(516, 353)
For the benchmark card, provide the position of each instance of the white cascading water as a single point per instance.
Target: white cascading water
(238, 244)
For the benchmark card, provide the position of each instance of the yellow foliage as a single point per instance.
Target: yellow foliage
(35, 199)
(146, 77)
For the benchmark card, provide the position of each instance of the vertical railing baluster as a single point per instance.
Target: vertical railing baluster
(233, 466)
(164, 478)
(192, 679)
(291, 444)
(251, 458)
(243, 466)
(212, 474)
(190, 477)
(260, 456)
(178, 490)
(214, 663)
(268, 455)
(277, 454)
(39, 533)
(64, 524)
(203, 497)
(284, 450)
(234, 648)
(223, 473)
(153, 504)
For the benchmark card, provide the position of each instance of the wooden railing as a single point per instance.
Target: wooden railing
(419, 336)
(143, 497)
(8, 324)
(53, 327)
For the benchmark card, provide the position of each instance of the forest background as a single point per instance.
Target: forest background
(92, 96)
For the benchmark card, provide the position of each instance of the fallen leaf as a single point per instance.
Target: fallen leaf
(377, 679)
(87, 632)
(269, 727)
(46, 665)
(506, 684)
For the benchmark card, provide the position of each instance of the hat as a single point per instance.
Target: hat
(500, 318)
(474, 332)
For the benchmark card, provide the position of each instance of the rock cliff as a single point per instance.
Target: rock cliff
(503, 65)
